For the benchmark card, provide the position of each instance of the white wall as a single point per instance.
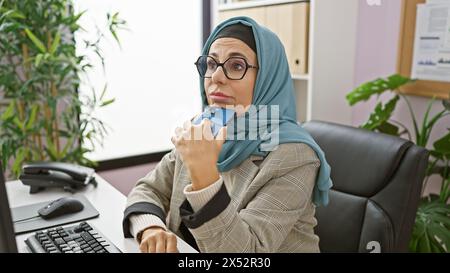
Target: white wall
(332, 59)
(153, 77)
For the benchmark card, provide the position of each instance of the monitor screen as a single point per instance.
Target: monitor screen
(7, 236)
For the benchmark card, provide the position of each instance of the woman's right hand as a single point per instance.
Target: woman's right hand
(157, 240)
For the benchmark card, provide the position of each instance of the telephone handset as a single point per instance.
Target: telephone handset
(218, 116)
(70, 177)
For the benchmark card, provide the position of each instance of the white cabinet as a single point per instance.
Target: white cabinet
(319, 37)
(289, 21)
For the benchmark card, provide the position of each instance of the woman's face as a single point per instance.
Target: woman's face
(221, 91)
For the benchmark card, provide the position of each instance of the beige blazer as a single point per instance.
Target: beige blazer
(268, 203)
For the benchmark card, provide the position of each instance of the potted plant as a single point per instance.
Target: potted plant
(431, 232)
(42, 114)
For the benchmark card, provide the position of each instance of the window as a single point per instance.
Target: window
(152, 78)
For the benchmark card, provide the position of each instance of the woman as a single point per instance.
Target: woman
(230, 194)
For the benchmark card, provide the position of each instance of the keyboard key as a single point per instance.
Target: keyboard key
(97, 248)
(95, 245)
(59, 241)
(47, 245)
(87, 249)
(86, 236)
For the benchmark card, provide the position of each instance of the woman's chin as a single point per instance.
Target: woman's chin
(222, 105)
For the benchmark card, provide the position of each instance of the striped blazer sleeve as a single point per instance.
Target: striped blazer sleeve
(151, 194)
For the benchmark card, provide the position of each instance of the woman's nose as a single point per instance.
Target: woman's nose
(219, 75)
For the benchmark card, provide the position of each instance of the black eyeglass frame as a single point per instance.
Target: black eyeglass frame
(247, 66)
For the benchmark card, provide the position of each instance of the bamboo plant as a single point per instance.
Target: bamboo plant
(42, 114)
(431, 232)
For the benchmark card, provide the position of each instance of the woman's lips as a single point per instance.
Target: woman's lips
(220, 97)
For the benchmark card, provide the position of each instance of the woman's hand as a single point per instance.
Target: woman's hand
(199, 151)
(157, 240)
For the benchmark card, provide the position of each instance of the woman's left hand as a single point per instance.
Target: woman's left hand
(199, 151)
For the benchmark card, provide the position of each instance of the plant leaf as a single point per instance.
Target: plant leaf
(67, 146)
(51, 149)
(442, 233)
(16, 14)
(19, 160)
(35, 41)
(388, 128)
(381, 114)
(107, 102)
(104, 91)
(9, 112)
(432, 220)
(18, 123)
(424, 244)
(378, 86)
(446, 104)
(38, 59)
(32, 119)
(55, 43)
(442, 145)
(11, 14)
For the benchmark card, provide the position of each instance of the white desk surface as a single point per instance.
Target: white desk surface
(109, 202)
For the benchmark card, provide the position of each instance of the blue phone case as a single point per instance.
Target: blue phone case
(218, 116)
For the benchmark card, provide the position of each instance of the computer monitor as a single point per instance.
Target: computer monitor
(7, 235)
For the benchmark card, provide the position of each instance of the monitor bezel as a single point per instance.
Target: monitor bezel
(7, 234)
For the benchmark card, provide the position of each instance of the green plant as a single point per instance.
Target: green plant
(431, 232)
(43, 116)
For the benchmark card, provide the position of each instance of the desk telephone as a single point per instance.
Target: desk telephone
(68, 176)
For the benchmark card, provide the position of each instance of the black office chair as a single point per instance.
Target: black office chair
(377, 183)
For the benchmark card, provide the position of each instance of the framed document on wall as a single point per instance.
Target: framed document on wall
(405, 62)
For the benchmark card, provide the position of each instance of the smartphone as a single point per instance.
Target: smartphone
(218, 116)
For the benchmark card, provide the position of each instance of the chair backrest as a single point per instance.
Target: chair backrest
(377, 180)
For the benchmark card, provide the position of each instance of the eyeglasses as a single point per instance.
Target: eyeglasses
(234, 67)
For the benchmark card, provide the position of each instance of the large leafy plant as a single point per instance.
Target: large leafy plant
(42, 115)
(431, 232)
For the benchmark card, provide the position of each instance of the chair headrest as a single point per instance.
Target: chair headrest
(362, 162)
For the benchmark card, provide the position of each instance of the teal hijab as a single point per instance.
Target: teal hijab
(273, 87)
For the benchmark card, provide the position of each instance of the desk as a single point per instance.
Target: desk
(109, 202)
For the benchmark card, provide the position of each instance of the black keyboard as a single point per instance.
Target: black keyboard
(81, 238)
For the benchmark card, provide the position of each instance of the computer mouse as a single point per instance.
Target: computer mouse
(61, 206)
